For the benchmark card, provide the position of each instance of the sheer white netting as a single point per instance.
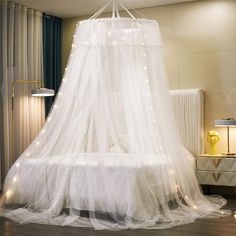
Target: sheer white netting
(109, 155)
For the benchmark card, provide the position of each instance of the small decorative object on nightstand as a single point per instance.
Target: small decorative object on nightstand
(213, 138)
(215, 170)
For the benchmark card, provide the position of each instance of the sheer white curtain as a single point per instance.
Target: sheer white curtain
(20, 58)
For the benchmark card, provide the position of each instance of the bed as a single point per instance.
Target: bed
(74, 170)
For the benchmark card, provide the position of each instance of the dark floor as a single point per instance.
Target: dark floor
(225, 226)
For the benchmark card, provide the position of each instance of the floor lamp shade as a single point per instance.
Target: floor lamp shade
(42, 92)
(228, 122)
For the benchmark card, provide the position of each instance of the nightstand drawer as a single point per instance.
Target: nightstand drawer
(216, 164)
(216, 178)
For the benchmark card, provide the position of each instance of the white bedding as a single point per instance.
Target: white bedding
(85, 177)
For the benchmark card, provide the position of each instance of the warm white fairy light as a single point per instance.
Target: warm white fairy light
(123, 38)
(186, 197)
(59, 93)
(147, 80)
(171, 172)
(74, 36)
(14, 179)
(150, 107)
(114, 43)
(43, 131)
(37, 143)
(8, 193)
(55, 107)
(86, 43)
(154, 121)
(49, 118)
(144, 55)
(71, 55)
(109, 33)
(222, 213)
(235, 215)
(64, 80)
(27, 154)
(145, 67)
(194, 207)
(17, 164)
(66, 69)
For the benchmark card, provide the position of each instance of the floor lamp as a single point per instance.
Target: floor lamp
(39, 92)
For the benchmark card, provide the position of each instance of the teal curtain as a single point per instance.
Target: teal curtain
(52, 56)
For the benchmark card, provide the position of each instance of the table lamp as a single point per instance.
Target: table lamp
(226, 122)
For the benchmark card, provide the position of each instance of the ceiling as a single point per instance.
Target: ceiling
(71, 8)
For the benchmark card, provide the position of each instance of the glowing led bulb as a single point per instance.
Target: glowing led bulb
(154, 121)
(86, 43)
(172, 172)
(71, 55)
(60, 93)
(8, 193)
(43, 131)
(17, 164)
(66, 69)
(14, 179)
(49, 118)
(114, 43)
(150, 107)
(109, 33)
(147, 80)
(186, 197)
(27, 154)
(145, 67)
(123, 38)
(74, 36)
(55, 107)
(194, 206)
(37, 143)
(144, 55)
(64, 80)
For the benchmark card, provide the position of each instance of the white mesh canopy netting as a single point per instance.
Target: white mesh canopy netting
(109, 155)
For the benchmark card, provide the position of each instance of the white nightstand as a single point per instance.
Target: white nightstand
(216, 170)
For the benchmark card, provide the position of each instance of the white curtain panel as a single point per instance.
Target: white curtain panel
(21, 59)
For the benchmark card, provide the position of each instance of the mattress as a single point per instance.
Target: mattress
(97, 178)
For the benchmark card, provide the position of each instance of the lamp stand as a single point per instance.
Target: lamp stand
(13, 112)
(228, 153)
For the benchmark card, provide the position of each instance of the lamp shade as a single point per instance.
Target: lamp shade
(42, 92)
(225, 122)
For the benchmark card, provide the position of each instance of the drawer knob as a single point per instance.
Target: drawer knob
(216, 176)
(216, 162)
